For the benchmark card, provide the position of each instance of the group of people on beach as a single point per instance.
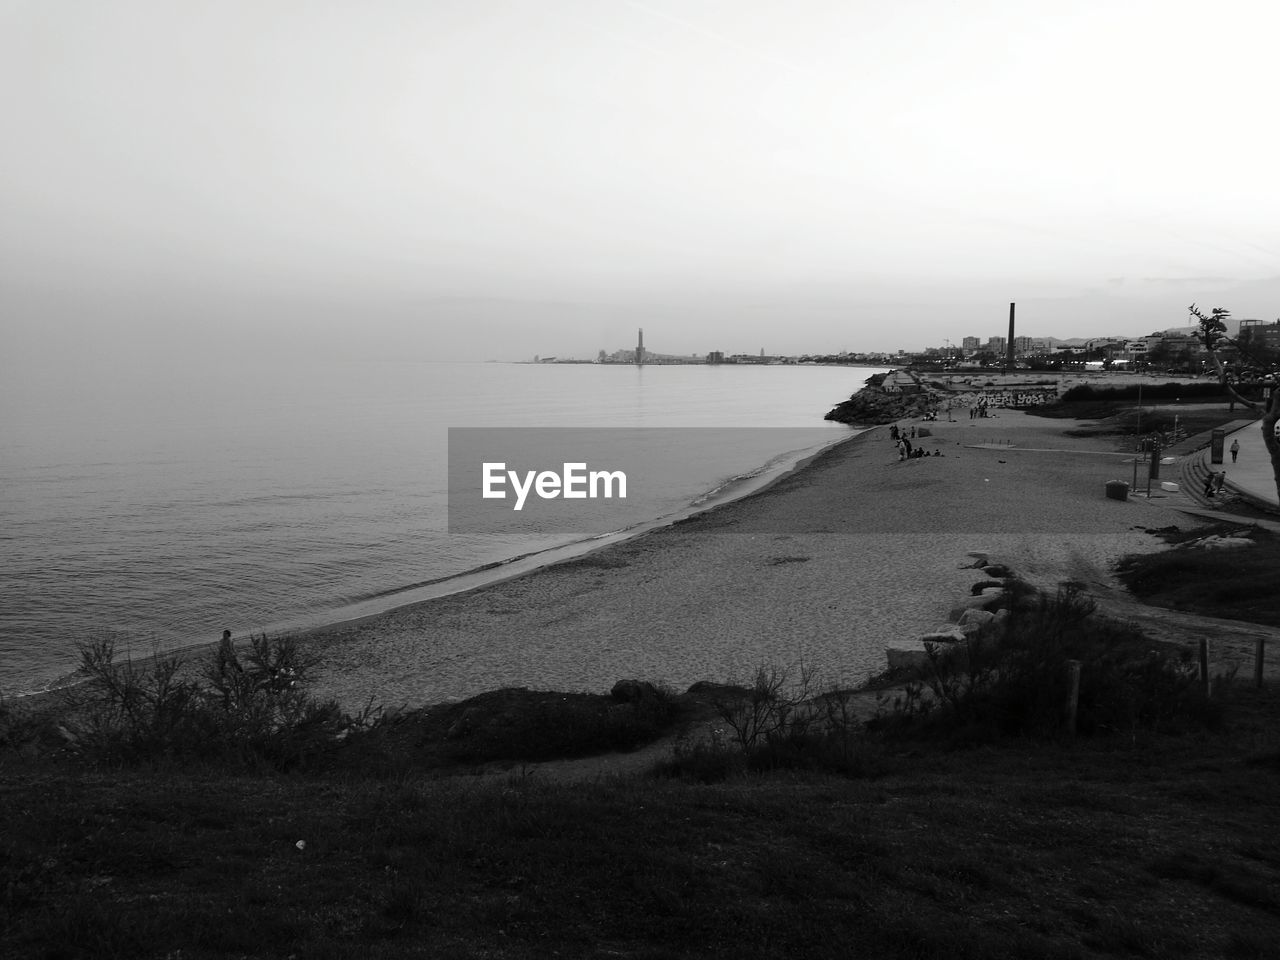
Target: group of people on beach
(979, 410)
(907, 450)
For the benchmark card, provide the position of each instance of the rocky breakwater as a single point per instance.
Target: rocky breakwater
(885, 399)
(973, 619)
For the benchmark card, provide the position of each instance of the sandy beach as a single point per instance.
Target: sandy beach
(826, 566)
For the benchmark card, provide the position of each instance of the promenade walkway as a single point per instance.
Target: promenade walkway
(1250, 480)
(1251, 473)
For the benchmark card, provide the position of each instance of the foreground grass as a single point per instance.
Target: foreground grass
(1158, 847)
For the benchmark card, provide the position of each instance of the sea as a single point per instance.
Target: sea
(162, 507)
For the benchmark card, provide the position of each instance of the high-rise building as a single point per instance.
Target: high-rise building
(997, 344)
(1260, 334)
(970, 344)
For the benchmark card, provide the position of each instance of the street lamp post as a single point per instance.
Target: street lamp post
(1137, 440)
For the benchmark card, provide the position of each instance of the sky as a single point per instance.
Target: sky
(494, 179)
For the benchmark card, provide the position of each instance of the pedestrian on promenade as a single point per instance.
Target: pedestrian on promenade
(1235, 450)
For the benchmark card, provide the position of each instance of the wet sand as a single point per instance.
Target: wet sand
(826, 566)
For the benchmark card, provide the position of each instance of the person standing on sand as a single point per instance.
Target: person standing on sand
(1235, 450)
(227, 661)
(225, 664)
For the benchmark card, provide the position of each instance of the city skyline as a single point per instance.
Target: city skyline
(462, 181)
(1024, 343)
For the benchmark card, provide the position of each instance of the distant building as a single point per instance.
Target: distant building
(997, 344)
(971, 344)
(1259, 334)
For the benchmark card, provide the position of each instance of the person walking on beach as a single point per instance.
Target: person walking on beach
(1235, 450)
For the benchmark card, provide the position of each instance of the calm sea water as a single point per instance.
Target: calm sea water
(168, 505)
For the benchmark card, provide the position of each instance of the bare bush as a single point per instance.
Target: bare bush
(780, 722)
(257, 713)
(1017, 682)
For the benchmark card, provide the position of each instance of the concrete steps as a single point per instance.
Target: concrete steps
(1194, 470)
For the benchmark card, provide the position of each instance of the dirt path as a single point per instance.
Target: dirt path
(1231, 642)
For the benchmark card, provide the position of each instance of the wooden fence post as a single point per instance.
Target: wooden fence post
(1204, 665)
(1073, 694)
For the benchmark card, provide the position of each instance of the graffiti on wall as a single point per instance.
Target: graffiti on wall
(1011, 399)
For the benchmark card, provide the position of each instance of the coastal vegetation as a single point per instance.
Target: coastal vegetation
(963, 821)
(1123, 418)
(1199, 575)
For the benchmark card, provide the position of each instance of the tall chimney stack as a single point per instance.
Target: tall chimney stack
(1008, 347)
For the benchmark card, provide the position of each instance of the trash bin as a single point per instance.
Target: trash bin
(1117, 490)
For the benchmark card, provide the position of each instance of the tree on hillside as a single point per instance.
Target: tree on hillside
(1213, 334)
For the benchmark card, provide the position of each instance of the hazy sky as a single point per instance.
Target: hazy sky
(498, 178)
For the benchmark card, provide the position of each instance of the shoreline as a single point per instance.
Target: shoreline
(495, 572)
(847, 552)
(736, 488)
